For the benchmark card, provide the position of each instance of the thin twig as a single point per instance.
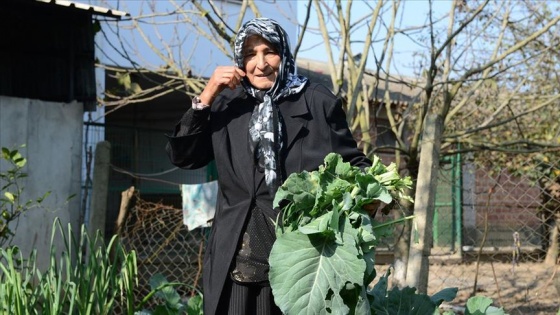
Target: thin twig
(485, 234)
(497, 284)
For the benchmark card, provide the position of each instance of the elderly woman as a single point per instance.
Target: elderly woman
(260, 122)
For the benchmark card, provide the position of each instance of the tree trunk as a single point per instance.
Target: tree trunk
(400, 252)
(426, 185)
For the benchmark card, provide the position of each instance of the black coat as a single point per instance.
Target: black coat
(314, 125)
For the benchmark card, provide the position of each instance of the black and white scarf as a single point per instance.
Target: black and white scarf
(265, 126)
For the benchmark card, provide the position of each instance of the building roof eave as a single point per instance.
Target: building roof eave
(97, 10)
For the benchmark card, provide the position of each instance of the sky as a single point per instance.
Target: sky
(414, 13)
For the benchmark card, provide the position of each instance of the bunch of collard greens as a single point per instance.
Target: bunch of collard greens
(323, 259)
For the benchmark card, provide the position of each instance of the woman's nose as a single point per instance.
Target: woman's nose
(261, 61)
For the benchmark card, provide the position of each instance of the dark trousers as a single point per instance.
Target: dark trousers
(249, 299)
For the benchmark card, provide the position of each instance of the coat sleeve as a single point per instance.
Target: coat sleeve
(190, 145)
(342, 140)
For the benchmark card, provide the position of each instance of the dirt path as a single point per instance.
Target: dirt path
(528, 289)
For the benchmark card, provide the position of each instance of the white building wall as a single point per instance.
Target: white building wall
(52, 135)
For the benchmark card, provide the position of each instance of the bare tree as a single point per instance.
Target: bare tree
(161, 38)
(472, 87)
(469, 58)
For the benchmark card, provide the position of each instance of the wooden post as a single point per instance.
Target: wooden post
(100, 188)
(422, 234)
(123, 212)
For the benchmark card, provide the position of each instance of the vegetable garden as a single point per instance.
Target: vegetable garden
(478, 211)
(513, 275)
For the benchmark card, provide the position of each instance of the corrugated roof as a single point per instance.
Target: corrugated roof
(399, 93)
(87, 7)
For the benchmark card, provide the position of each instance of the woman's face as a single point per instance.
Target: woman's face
(261, 62)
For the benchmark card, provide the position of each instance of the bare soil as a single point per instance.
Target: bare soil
(524, 289)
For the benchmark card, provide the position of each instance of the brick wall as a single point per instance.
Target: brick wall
(512, 207)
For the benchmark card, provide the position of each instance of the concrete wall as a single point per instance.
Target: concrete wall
(52, 133)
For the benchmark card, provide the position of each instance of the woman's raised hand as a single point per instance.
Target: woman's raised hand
(223, 77)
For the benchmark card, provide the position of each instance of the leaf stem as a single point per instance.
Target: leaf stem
(392, 222)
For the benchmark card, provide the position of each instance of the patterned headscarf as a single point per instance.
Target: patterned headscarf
(265, 126)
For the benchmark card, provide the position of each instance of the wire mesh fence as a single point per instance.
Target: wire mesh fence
(164, 246)
(501, 241)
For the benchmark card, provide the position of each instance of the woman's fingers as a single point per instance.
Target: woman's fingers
(222, 77)
(229, 76)
(236, 77)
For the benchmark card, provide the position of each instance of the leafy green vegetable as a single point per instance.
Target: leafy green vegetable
(406, 301)
(480, 305)
(323, 258)
(316, 266)
(308, 195)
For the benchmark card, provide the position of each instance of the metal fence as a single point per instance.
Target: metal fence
(153, 222)
(164, 246)
(492, 233)
(491, 229)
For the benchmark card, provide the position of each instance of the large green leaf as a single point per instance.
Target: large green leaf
(299, 188)
(194, 305)
(372, 189)
(331, 189)
(307, 272)
(405, 301)
(319, 225)
(165, 291)
(447, 295)
(481, 305)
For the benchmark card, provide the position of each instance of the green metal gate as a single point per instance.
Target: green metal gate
(447, 232)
